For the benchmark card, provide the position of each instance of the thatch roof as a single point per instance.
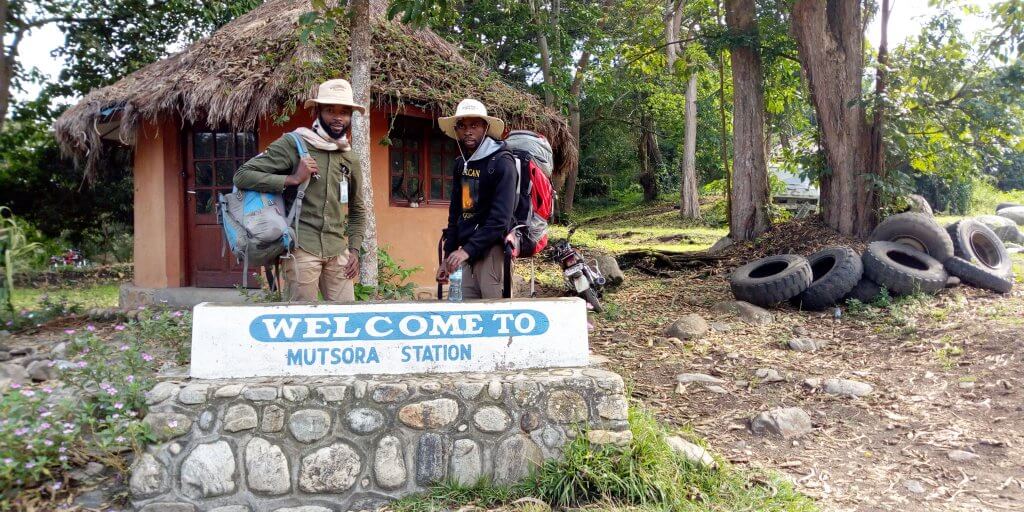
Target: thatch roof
(257, 66)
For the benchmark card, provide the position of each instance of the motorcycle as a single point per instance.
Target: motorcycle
(581, 279)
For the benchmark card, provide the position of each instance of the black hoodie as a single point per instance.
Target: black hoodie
(483, 200)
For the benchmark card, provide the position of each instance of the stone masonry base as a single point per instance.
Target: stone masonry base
(345, 443)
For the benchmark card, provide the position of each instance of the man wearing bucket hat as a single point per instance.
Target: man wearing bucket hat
(483, 198)
(325, 258)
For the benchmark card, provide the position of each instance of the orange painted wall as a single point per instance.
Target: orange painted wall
(159, 211)
(409, 235)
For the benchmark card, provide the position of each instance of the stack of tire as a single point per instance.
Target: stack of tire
(908, 253)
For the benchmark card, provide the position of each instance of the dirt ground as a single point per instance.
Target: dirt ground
(946, 371)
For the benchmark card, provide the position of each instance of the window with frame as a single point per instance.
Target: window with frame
(421, 159)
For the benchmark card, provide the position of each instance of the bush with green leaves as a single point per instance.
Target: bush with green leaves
(95, 413)
(165, 328)
(646, 474)
(392, 280)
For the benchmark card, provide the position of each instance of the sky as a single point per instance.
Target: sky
(906, 20)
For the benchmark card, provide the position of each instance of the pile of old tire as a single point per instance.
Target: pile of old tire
(908, 253)
(967, 250)
(815, 282)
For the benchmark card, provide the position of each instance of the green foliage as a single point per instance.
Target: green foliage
(392, 280)
(165, 328)
(95, 416)
(646, 474)
(985, 197)
(14, 246)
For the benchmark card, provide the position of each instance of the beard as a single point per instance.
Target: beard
(330, 130)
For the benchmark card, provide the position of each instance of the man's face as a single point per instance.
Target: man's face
(335, 119)
(471, 131)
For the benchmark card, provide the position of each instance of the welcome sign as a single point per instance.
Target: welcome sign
(231, 341)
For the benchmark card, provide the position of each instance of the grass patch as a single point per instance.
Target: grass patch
(92, 296)
(646, 475)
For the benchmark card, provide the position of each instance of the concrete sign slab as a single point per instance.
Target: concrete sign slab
(266, 340)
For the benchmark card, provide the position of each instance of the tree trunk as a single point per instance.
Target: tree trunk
(689, 200)
(750, 174)
(650, 157)
(6, 63)
(361, 52)
(876, 142)
(830, 43)
(545, 55)
(569, 191)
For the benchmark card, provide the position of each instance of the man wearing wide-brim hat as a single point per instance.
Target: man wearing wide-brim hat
(483, 199)
(326, 257)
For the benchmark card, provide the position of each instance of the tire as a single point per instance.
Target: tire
(978, 275)
(835, 271)
(590, 295)
(977, 243)
(903, 270)
(1000, 206)
(771, 280)
(918, 231)
(952, 281)
(1014, 213)
(866, 291)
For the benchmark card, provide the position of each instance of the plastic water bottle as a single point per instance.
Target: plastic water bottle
(455, 286)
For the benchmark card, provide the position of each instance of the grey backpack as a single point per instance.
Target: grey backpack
(256, 227)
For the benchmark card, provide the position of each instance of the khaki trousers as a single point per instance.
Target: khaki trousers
(484, 278)
(306, 274)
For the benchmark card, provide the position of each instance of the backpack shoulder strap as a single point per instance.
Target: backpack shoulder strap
(296, 209)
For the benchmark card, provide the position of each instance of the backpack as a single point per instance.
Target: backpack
(255, 225)
(535, 202)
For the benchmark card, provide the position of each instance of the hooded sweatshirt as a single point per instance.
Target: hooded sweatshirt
(483, 199)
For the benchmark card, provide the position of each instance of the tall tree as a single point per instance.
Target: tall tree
(750, 193)
(689, 201)
(830, 40)
(104, 39)
(362, 17)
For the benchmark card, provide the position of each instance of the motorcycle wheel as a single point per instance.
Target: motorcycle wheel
(590, 295)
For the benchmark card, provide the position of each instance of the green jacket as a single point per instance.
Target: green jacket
(323, 225)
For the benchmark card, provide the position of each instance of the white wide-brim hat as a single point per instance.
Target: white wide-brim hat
(472, 108)
(335, 92)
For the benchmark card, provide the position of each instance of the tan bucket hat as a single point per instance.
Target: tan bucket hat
(472, 108)
(335, 92)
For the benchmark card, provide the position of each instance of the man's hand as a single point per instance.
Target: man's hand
(455, 260)
(352, 266)
(306, 169)
(442, 273)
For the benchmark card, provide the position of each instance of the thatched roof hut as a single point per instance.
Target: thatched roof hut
(257, 66)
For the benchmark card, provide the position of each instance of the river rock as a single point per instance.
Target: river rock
(807, 344)
(309, 425)
(42, 370)
(167, 425)
(149, 477)
(365, 421)
(467, 467)
(431, 458)
(691, 452)
(240, 417)
(389, 463)
(429, 414)
(514, 458)
(266, 467)
(787, 422)
(208, 471)
(332, 469)
(609, 268)
(566, 406)
(746, 311)
(688, 327)
(844, 387)
(491, 419)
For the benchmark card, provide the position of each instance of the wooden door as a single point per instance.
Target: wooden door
(211, 159)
